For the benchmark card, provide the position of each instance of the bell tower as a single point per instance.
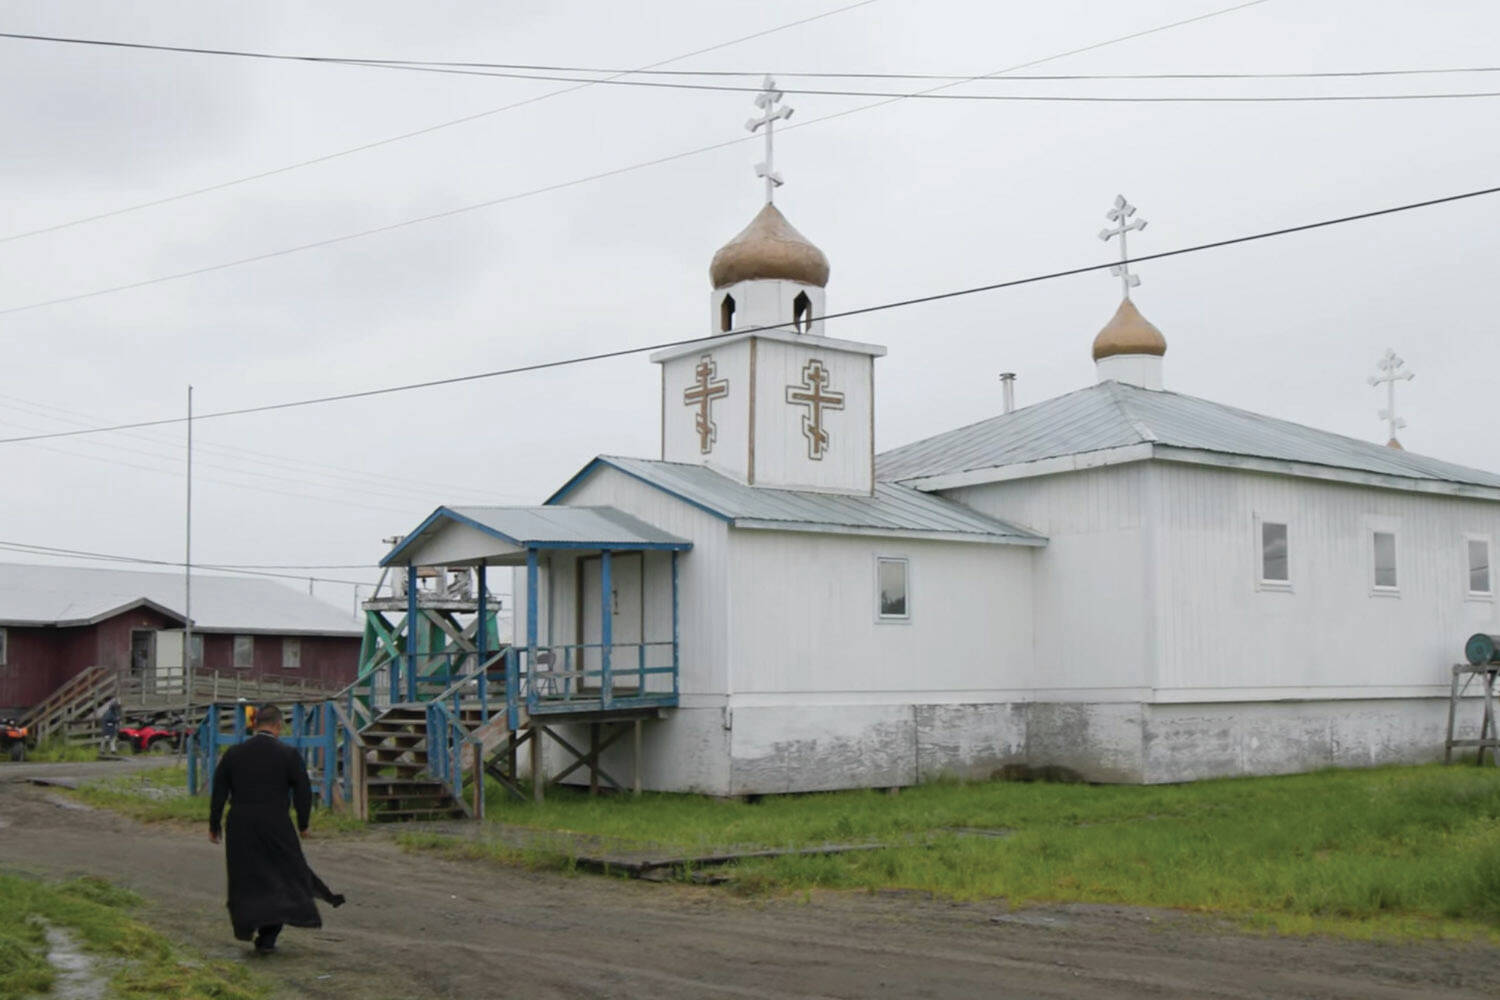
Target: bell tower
(766, 398)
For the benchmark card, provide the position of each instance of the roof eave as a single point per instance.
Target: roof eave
(1327, 473)
(809, 527)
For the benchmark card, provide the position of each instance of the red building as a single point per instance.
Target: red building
(58, 620)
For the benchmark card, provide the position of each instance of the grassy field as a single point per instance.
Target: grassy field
(1409, 851)
(139, 963)
(60, 751)
(159, 795)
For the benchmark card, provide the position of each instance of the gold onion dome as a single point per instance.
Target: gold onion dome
(769, 248)
(1128, 332)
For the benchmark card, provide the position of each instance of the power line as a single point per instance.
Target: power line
(514, 71)
(61, 553)
(379, 63)
(601, 175)
(901, 303)
(415, 133)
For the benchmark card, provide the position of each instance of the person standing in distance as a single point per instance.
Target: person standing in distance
(270, 883)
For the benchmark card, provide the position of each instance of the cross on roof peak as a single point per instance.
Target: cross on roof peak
(766, 100)
(1392, 370)
(1121, 214)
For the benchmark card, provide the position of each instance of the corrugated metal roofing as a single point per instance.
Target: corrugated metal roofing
(605, 526)
(893, 508)
(48, 595)
(1113, 415)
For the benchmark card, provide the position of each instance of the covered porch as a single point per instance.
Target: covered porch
(596, 646)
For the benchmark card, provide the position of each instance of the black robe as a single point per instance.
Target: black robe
(269, 880)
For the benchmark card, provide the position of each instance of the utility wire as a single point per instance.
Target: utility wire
(374, 63)
(601, 175)
(415, 133)
(865, 310)
(62, 553)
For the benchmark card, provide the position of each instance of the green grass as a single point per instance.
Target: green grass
(60, 751)
(159, 795)
(1411, 851)
(141, 963)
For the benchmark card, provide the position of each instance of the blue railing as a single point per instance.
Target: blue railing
(327, 739)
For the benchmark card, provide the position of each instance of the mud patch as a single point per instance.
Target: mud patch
(78, 974)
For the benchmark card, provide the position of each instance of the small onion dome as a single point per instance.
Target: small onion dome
(769, 248)
(1128, 332)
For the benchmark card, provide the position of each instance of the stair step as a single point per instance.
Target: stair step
(399, 815)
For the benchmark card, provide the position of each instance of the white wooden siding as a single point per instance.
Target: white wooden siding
(781, 455)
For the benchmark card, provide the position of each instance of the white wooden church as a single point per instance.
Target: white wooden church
(1124, 582)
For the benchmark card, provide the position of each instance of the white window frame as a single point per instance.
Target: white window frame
(880, 616)
(1473, 595)
(291, 644)
(234, 655)
(1377, 589)
(195, 655)
(1261, 583)
(4, 646)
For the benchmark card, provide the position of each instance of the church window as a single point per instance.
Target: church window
(244, 652)
(291, 654)
(1479, 567)
(726, 314)
(1385, 560)
(1274, 564)
(802, 315)
(893, 602)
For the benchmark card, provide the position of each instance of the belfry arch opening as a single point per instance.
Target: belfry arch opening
(802, 313)
(726, 314)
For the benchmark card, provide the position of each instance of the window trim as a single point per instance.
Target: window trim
(234, 659)
(1469, 594)
(4, 646)
(294, 642)
(1380, 589)
(1261, 583)
(880, 616)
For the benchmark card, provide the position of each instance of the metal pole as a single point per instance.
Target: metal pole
(187, 635)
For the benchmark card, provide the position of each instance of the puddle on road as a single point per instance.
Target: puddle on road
(78, 978)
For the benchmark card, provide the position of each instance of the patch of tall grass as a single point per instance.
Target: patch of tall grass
(1398, 848)
(146, 965)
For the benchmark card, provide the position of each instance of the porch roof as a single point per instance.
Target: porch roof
(501, 536)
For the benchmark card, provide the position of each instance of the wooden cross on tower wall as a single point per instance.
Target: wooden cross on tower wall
(813, 393)
(702, 395)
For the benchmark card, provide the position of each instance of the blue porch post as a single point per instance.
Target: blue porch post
(531, 619)
(675, 637)
(411, 633)
(482, 645)
(606, 624)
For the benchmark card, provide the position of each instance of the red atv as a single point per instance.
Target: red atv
(148, 737)
(13, 739)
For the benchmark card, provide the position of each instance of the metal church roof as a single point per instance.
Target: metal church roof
(539, 528)
(69, 596)
(1115, 415)
(893, 510)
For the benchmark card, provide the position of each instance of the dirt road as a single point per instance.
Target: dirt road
(417, 926)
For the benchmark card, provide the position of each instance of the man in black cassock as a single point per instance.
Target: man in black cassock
(270, 883)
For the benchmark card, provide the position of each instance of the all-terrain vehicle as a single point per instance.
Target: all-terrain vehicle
(13, 739)
(159, 735)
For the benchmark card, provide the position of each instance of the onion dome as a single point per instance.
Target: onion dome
(769, 248)
(1128, 332)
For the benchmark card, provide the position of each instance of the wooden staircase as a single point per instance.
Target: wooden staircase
(397, 781)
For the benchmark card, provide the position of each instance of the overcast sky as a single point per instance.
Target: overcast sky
(907, 199)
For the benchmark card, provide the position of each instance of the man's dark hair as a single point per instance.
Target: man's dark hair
(268, 715)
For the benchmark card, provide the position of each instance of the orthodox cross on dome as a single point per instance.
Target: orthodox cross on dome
(813, 393)
(766, 101)
(702, 395)
(1392, 370)
(1120, 215)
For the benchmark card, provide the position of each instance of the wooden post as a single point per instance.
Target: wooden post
(538, 774)
(1487, 725)
(478, 749)
(637, 737)
(593, 758)
(1452, 709)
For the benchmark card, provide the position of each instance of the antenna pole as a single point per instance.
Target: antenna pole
(187, 566)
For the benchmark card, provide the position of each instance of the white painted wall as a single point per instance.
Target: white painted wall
(1224, 637)
(765, 302)
(1091, 584)
(730, 451)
